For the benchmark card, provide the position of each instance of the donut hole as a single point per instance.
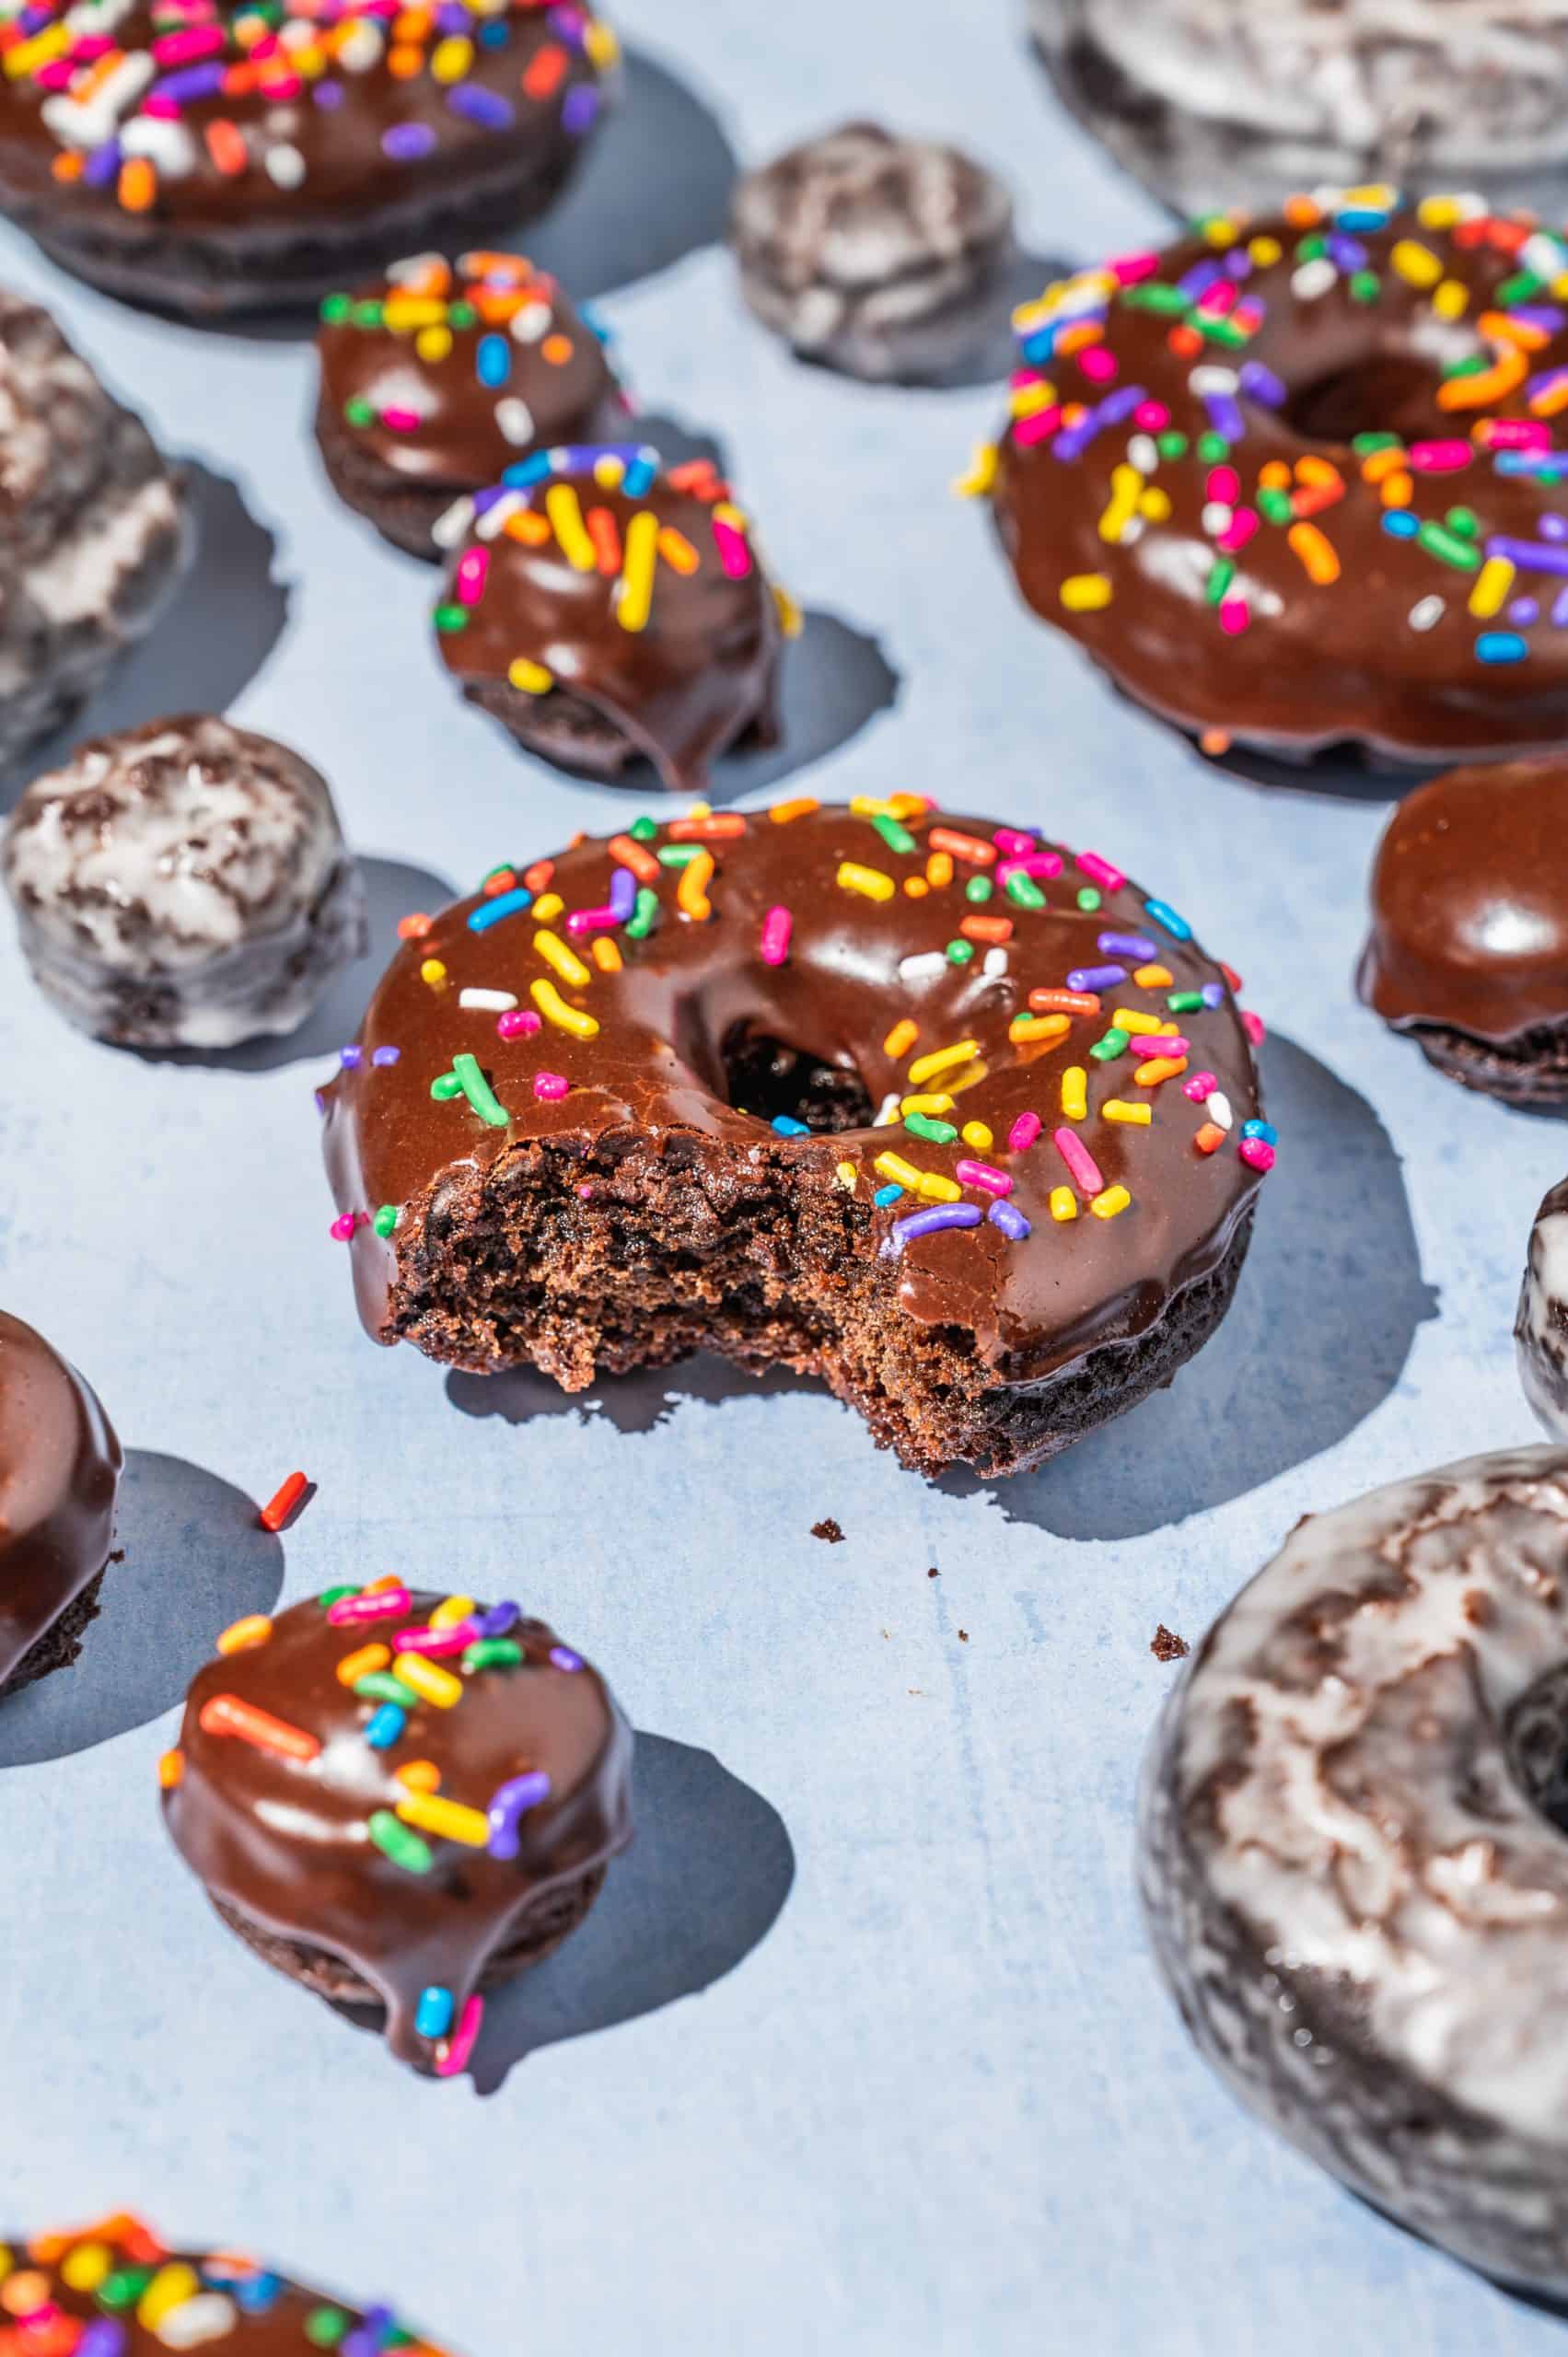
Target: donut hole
(1536, 1738)
(1376, 392)
(768, 1078)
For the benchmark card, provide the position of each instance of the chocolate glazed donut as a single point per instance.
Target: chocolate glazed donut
(60, 1466)
(1354, 1853)
(1299, 481)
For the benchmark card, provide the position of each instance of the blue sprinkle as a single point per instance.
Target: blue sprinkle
(1178, 927)
(1356, 216)
(1400, 524)
(594, 324)
(433, 2016)
(1264, 1130)
(1011, 1222)
(786, 1126)
(253, 2295)
(527, 472)
(494, 360)
(640, 473)
(494, 33)
(505, 904)
(385, 1727)
(886, 1195)
(1501, 646)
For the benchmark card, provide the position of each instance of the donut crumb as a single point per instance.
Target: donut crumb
(1165, 1646)
(829, 1530)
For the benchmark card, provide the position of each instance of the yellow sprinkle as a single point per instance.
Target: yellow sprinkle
(1153, 977)
(447, 1614)
(932, 1106)
(1154, 505)
(428, 1680)
(844, 1172)
(970, 1076)
(1154, 1069)
(782, 813)
(564, 511)
(607, 957)
(1140, 1116)
(170, 2289)
(976, 1135)
(692, 892)
(1064, 1203)
(554, 1009)
(926, 1068)
(547, 908)
(363, 1664)
(1030, 398)
(1134, 1019)
(907, 805)
(602, 44)
(792, 622)
(1036, 1027)
(1074, 1092)
(1126, 483)
(608, 471)
(938, 1190)
(939, 870)
(450, 59)
(869, 805)
(982, 467)
(402, 313)
(1086, 593)
(420, 1776)
(433, 971)
(27, 55)
(1492, 584)
(1416, 264)
(449, 1820)
(433, 345)
(1265, 251)
(635, 601)
(566, 962)
(170, 1771)
(1452, 299)
(254, 1629)
(1437, 212)
(901, 1173)
(901, 1039)
(532, 678)
(875, 886)
(1113, 1201)
(84, 2269)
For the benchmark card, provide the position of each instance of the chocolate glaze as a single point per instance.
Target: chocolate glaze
(139, 2298)
(686, 996)
(286, 1843)
(59, 1476)
(683, 688)
(1336, 337)
(1353, 1859)
(1469, 904)
(558, 386)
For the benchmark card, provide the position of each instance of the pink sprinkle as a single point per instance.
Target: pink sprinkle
(407, 421)
(734, 554)
(1128, 268)
(518, 1022)
(342, 1229)
(1100, 871)
(1239, 530)
(1257, 1152)
(1038, 862)
(591, 920)
(454, 2054)
(981, 1174)
(1014, 845)
(199, 40)
(1439, 458)
(1160, 1043)
(1199, 1086)
(1234, 616)
(454, 1639)
(777, 926)
(1079, 1161)
(1224, 484)
(1254, 1026)
(1023, 1133)
(552, 1085)
(57, 75)
(1021, 377)
(1098, 364)
(472, 566)
(1217, 301)
(165, 110)
(1037, 425)
(1515, 434)
(1152, 416)
(377, 1604)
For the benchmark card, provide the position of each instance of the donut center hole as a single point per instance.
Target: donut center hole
(767, 1078)
(1381, 393)
(1536, 1734)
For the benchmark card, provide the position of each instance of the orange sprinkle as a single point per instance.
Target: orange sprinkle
(546, 71)
(1186, 343)
(227, 1714)
(403, 60)
(1302, 212)
(987, 929)
(692, 892)
(1273, 475)
(1397, 490)
(68, 166)
(497, 305)
(1064, 1001)
(240, 1635)
(972, 848)
(557, 350)
(536, 877)
(24, 2294)
(170, 1769)
(605, 534)
(1215, 741)
(630, 854)
(1153, 977)
(1315, 497)
(916, 887)
(226, 145)
(1498, 327)
(606, 956)
(939, 870)
(901, 1039)
(503, 879)
(524, 524)
(1319, 470)
(1038, 1030)
(1209, 1138)
(802, 807)
(1317, 554)
(677, 551)
(1154, 1069)
(138, 185)
(1379, 463)
(364, 1663)
(416, 927)
(1494, 384)
(420, 1776)
(713, 827)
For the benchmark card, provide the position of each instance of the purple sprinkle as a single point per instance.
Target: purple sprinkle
(483, 501)
(929, 1222)
(105, 2336)
(1545, 316)
(321, 1101)
(1524, 610)
(384, 1055)
(370, 2339)
(507, 1804)
(487, 108)
(1238, 263)
(1532, 556)
(1096, 978)
(1199, 278)
(1553, 527)
(202, 81)
(102, 164)
(1260, 384)
(499, 1618)
(622, 894)
(1213, 994)
(351, 1057)
(1225, 417)
(1127, 945)
(1011, 1222)
(407, 142)
(1560, 610)
(451, 18)
(563, 1657)
(328, 95)
(580, 109)
(1348, 253)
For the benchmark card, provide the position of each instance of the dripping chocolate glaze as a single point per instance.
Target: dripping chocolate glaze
(59, 1476)
(655, 1072)
(286, 1843)
(1320, 662)
(683, 688)
(460, 442)
(1469, 904)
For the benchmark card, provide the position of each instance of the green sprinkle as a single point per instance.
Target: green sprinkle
(358, 411)
(1221, 573)
(368, 315)
(1366, 286)
(1114, 1044)
(1465, 522)
(124, 2287)
(645, 916)
(324, 2327)
(1312, 247)
(397, 1841)
(1475, 365)
(331, 1596)
(979, 889)
(1088, 898)
(1448, 547)
(1216, 328)
(380, 1685)
(1212, 448)
(642, 830)
(386, 1219)
(1184, 1001)
(460, 315)
(1364, 445)
(897, 837)
(1155, 296)
(452, 618)
(335, 308)
(934, 1133)
(493, 1652)
(958, 953)
(1023, 889)
(1171, 443)
(679, 854)
(1523, 287)
(445, 1086)
(1275, 505)
(475, 1087)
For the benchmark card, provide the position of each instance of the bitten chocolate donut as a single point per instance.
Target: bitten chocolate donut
(966, 1124)
(1354, 1856)
(1299, 482)
(1540, 1327)
(438, 376)
(400, 1800)
(182, 885)
(59, 1480)
(606, 610)
(1468, 947)
(219, 157)
(115, 2289)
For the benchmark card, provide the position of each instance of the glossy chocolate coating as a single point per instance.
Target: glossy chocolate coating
(1469, 904)
(287, 1842)
(59, 1476)
(682, 686)
(655, 1072)
(332, 130)
(383, 354)
(1316, 622)
(138, 2298)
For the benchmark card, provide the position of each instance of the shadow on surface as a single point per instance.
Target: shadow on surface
(676, 441)
(1322, 1323)
(702, 1884)
(655, 187)
(833, 681)
(195, 1558)
(1341, 772)
(392, 890)
(630, 1403)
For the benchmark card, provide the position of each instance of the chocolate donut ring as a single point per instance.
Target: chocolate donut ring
(60, 1465)
(1299, 482)
(862, 1091)
(1354, 1856)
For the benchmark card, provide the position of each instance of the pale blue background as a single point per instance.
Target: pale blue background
(940, 2103)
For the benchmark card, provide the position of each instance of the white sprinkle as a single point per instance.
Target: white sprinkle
(1217, 518)
(488, 1002)
(1313, 278)
(1427, 613)
(414, 266)
(530, 323)
(494, 520)
(1216, 1104)
(209, 2316)
(888, 1114)
(284, 165)
(923, 968)
(1143, 452)
(166, 144)
(360, 47)
(515, 420)
(1544, 254)
(994, 964)
(453, 524)
(1214, 381)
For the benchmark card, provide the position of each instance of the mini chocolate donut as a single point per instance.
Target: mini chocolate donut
(115, 2289)
(227, 157)
(1540, 1327)
(438, 376)
(400, 1800)
(1297, 481)
(966, 1124)
(1469, 947)
(60, 1466)
(1354, 1858)
(184, 883)
(607, 609)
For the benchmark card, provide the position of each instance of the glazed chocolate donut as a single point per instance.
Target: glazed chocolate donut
(216, 157)
(115, 2289)
(400, 1800)
(1353, 1861)
(966, 1124)
(60, 1466)
(1299, 482)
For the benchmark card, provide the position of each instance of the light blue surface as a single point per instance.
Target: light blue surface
(939, 2102)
